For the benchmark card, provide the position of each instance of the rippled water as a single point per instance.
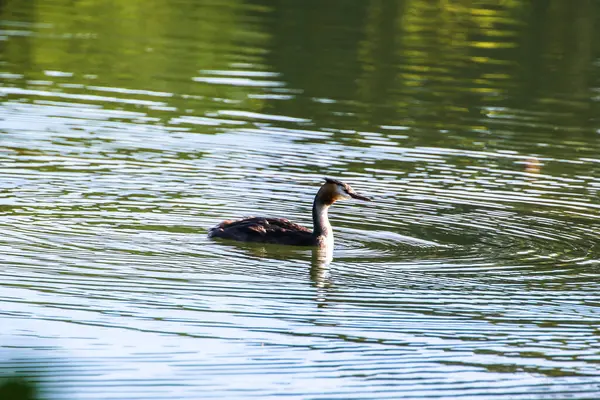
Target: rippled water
(127, 130)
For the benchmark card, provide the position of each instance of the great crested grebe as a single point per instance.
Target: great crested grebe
(280, 230)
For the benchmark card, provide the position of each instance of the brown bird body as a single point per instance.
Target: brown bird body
(282, 231)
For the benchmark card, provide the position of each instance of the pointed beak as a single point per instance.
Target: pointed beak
(359, 197)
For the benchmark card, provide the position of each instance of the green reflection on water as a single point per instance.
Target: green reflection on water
(431, 65)
(510, 76)
(132, 45)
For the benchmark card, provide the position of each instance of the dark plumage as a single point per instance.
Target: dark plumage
(282, 231)
(264, 230)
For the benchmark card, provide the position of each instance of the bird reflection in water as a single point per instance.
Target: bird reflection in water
(284, 232)
(319, 273)
(320, 259)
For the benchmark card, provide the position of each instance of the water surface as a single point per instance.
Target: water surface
(127, 130)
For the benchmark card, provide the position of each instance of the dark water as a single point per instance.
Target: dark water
(129, 128)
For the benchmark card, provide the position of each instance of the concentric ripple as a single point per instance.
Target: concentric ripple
(473, 274)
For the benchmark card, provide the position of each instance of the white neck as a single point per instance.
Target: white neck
(321, 225)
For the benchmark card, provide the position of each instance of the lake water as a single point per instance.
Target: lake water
(127, 129)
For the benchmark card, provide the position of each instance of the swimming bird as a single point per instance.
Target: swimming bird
(282, 231)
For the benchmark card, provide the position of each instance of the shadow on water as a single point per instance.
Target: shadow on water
(20, 381)
(16, 388)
